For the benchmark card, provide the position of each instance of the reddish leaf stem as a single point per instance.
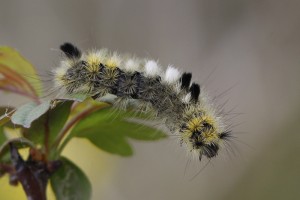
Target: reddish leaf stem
(65, 130)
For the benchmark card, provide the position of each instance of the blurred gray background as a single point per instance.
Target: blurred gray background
(250, 46)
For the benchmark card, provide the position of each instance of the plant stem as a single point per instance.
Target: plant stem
(33, 175)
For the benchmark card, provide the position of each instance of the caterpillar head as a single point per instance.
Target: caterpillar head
(202, 134)
(201, 130)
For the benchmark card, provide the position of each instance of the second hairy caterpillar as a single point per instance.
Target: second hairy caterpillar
(169, 94)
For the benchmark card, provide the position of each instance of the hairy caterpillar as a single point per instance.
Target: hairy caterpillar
(169, 94)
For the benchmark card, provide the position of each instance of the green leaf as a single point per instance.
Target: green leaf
(79, 111)
(108, 129)
(98, 132)
(70, 183)
(4, 156)
(58, 117)
(29, 112)
(18, 74)
(2, 136)
(112, 142)
(140, 131)
(50, 122)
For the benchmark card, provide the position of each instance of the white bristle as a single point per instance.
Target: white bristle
(131, 65)
(172, 74)
(151, 68)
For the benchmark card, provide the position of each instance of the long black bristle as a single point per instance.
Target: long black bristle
(70, 50)
(211, 150)
(195, 91)
(225, 135)
(186, 80)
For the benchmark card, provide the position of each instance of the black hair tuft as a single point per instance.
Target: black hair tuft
(70, 50)
(186, 80)
(195, 91)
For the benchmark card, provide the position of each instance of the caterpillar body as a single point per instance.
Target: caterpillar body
(170, 94)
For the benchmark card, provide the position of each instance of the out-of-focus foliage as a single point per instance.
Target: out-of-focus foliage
(18, 75)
